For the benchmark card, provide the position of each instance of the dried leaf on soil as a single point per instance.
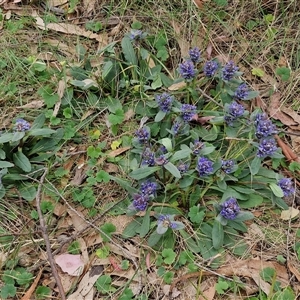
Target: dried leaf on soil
(70, 263)
(290, 213)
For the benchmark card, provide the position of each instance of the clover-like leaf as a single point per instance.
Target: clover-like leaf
(169, 256)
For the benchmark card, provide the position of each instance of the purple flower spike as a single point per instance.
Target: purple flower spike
(204, 166)
(164, 102)
(148, 188)
(230, 209)
(140, 202)
(210, 68)
(229, 71)
(266, 147)
(227, 165)
(287, 186)
(187, 112)
(21, 125)
(195, 55)
(143, 135)
(242, 92)
(187, 70)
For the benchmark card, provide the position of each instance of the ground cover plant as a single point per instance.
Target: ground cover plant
(148, 155)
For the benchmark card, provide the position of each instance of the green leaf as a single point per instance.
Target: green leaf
(103, 284)
(217, 235)
(132, 228)
(49, 96)
(162, 54)
(194, 196)
(167, 142)
(268, 274)
(28, 192)
(172, 169)
(125, 184)
(24, 278)
(113, 104)
(145, 227)
(5, 164)
(42, 292)
(169, 256)
(159, 116)
(39, 66)
(108, 229)
(103, 252)
(244, 216)
(38, 122)
(141, 173)
(116, 118)
(128, 51)
(181, 154)
(168, 277)
(18, 136)
(41, 131)
(284, 73)
(221, 286)
(22, 161)
(190, 242)
(257, 72)
(186, 256)
(255, 165)
(126, 295)
(125, 264)
(6, 137)
(102, 176)
(93, 152)
(276, 189)
(74, 248)
(221, 2)
(8, 290)
(154, 238)
(196, 215)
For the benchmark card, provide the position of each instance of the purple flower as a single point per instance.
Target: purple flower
(229, 70)
(140, 202)
(264, 126)
(266, 147)
(228, 165)
(182, 167)
(241, 92)
(234, 110)
(161, 160)
(187, 70)
(260, 117)
(187, 112)
(148, 157)
(136, 34)
(287, 186)
(143, 135)
(197, 146)
(148, 188)
(195, 55)
(210, 68)
(167, 221)
(176, 127)
(164, 102)
(230, 209)
(204, 166)
(21, 125)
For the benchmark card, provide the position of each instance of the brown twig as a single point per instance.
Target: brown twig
(46, 237)
(28, 294)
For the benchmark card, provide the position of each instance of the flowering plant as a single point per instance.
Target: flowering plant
(200, 161)
(22, 150)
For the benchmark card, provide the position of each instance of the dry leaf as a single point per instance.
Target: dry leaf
(70, 263)
(85, 289)
(290, 213)
(208, 294)
(73, 29)
(177, 86)
(118, 151)
(77, 219)
(294, 270)
(60, 91)
(33, 104)
(275, 111)
(198, 3)
(183, 43)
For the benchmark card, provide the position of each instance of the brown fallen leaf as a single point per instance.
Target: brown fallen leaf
(72, 29)
(60, 91)
(294, 270)
(118, 151)
(182, 42)
(177, 86)
(275, 111)
(198, 3)
(35, 104)
(286, 150)
(290, 213)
